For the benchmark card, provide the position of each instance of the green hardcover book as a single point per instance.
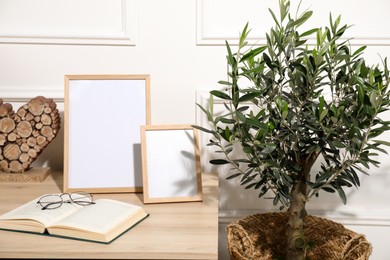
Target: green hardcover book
(102, 222)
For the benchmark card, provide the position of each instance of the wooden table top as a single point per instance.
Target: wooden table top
(187, 230)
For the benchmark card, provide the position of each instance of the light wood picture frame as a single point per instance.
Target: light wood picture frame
(102, 143)
(170, 164)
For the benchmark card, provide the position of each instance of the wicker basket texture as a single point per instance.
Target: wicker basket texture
(263, 237)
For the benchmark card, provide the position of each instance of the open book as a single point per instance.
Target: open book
(101, 222)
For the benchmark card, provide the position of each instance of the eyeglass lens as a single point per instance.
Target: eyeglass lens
(81, 198)
(50, 201)
(55, 201)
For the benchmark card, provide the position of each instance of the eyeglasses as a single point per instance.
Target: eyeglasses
(54, 201)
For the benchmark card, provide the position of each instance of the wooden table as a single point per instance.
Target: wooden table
(186, 230)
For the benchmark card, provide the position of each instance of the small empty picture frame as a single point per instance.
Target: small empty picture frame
(102, 142)
(170, 164)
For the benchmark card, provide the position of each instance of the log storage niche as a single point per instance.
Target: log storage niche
(26, 133)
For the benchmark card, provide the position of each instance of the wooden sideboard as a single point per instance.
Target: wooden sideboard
(187, 230)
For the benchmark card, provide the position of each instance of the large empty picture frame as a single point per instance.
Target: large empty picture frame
(102, 146)
(170, 164)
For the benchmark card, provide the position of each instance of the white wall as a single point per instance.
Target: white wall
(180, 44)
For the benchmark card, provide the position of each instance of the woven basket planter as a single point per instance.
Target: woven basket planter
(263, 237)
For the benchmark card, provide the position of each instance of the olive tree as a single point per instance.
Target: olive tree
(299, 104)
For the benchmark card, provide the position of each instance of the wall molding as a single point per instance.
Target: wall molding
(25, 94)
(125, 37)
(350, 218)
(204, 38)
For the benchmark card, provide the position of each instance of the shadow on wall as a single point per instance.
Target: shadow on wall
(368, 199)
(53, 155)
(235, 197)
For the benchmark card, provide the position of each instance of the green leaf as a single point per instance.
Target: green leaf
(247, 149)
(360, 94)
(338, 144)
(226, 120)
(228, 134)
(382, 142)
(276, 200)
(318, 59)
(319, 38)
(230, 57)
(296, 23)
(274, 17)
(271, 163)
(267, 60)
(358, 80)
(254, 123)
(269, 149)
(249, 96)
(219, 161)
(233, 176)
(241, 116)
(309, 32)
(335, 24)
(223, 82)
(211, 108)
(220, 94)
(250, 186)
(284, 114)
(342, 195)
(287, 179)
(253, 53)
(360, 50)
(375, 147)
(324, 176)
(284, 9)
(323, 114)
(341, 31)
(243, 36)
(373, 99)
(322, 103)
(208, 114)
(203, 129)
(355, 176)
(360, 169)
(328, 189)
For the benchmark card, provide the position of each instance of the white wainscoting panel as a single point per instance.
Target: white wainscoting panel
(220, 20)
(88, 22)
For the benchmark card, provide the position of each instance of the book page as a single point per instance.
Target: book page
(100, 217)
(33, 211)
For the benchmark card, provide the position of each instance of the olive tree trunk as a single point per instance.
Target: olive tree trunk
(296, 241)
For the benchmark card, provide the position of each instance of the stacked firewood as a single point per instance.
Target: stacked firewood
(24, 134)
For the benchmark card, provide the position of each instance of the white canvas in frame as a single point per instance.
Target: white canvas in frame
(170, 164)
(102, 149)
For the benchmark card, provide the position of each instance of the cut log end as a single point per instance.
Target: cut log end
(5, 109)
(26, 133)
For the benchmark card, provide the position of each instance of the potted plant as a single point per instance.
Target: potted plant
(290, 104)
